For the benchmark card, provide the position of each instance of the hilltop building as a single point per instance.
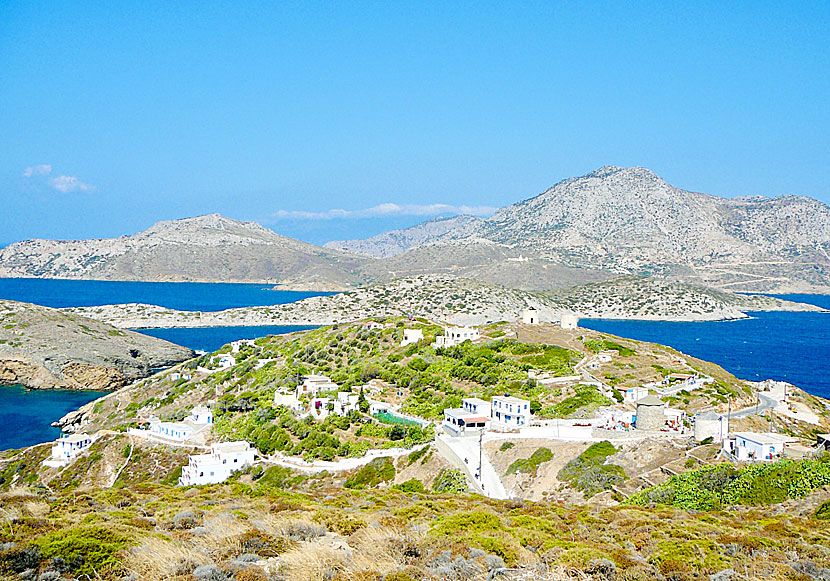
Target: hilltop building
(194, 426)
(569, 321)
(650, 413)
(711, 425)
(530, 316)
(314, 384)
(764, 447)
(412, 336)
(509, 412)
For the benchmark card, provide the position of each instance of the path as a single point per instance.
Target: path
(338, 465)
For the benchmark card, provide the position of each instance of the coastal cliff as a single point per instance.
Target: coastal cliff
(43, 348)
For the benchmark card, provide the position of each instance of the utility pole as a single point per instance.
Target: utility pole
(480, 455)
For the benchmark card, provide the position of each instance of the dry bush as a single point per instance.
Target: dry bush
(384, 550)
(313, 563)
(158, 559)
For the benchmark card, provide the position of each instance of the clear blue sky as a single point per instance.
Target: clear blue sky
(113, 117)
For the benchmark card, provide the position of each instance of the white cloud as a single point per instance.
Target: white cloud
(70, 184)
(40, 175)
(386, 209)
(37, 170)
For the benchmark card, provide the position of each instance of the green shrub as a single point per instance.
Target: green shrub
(90, 551)
(531, 464)
(377, 471)
(589, 472)
(506, 446)
(823, 512)
(411, 485)
(449, 480)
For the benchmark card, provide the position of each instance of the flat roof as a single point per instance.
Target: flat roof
(765, 438)
(241, 446)
(75, 438)
(475, 400)
(510, 399)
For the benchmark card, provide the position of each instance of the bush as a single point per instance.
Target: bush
(506, 446)
(90, 551)
(449, 480)
(531, 464)
(823, 512)
(377, 471)
(589, 472)
(411, 485)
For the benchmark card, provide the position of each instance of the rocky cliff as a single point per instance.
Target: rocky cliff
(43, 348)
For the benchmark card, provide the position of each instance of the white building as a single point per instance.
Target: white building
(372, 326)
(66, 448)
(618, 419)
(634, 394)
(196, 424)
(237, 345)
(569, 321)
(606, 356)
(711, 425)
(290, 401)
(314, 384)
(321, 407)
(379, 407)
(456, 336)
(530, 316)
(412, 336)
(766, 447)
(510, 412)
(224, 459)
(474, 405)
(459, 422)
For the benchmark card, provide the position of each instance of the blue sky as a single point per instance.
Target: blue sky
(115, 116)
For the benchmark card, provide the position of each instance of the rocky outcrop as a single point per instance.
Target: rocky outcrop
(203, 249)
(43, 348)
(465, 302)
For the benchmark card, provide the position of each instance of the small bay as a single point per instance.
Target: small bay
(212, 338)
(26, 415)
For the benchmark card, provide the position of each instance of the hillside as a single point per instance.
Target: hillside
(115, 513)
(629, 220)
(463, 301)
(44, 348)
(206, 248)
(398, 241)
(586, 229)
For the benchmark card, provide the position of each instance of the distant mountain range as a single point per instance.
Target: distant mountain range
(609, 222)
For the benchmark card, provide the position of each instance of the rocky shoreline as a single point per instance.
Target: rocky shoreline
(461, 302)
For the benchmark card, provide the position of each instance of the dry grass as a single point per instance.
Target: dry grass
(311, 562)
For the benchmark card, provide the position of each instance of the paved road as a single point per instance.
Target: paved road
(467, 447)
(767, 403)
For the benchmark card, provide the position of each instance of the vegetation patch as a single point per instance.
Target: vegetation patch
(713, 487)
(449, 480)
(589, 471)
(586, 396)
(531, 464)
(377, 471)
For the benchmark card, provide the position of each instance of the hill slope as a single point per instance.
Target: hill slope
(45, 348)
(629, 220)
(205, 248)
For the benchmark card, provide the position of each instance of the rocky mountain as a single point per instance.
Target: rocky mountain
(43, 348)
(398, 241)
(629, 220)
(610, 222)
(205, 248)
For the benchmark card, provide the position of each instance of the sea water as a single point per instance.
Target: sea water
(780, 345)
(26, 415)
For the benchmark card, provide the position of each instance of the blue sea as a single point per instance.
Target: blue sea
(28, 414)
(792, 347)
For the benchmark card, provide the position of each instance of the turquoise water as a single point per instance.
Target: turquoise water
(25, 416)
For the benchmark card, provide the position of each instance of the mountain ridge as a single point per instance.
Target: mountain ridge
(612, 221)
